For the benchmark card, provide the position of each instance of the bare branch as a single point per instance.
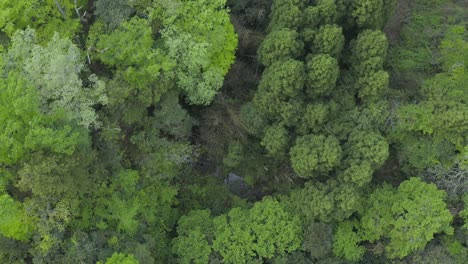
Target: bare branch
(60, 9)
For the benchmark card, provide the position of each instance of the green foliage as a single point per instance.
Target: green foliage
(194, 231)
(464, 213)
(346, 242)
(120, 204)
(45, 16)
(315, 116)
(262, 232)
(437, 123)
(326, 202)
(25, 129)
(121, 258)
(112, 12)
(130, 49)
(281, 44)
(192, 248)
(284, 79)
(276, 231)
(201, 40)
(314, 154)
(409, 216)
(370, 88)
(234, 155)
(322, 74)
(365, 146)
(325, 12)
(358, 173)
(368, 13)
(328, 39)
(454, 48)
(55, 71)
(100, 139)
(275, 140)
(369, 44)
(286, 14)
(317, 240)
(252, 119)
(14, 222)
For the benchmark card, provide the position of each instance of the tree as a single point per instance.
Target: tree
(262, 231)
(25, 129)
(315, 116)
(328, 39)
(432, 131)
(55, 71)
(195, 235)
(325, 202)
(464, 213)
(454, 48)
(234, 240)
(276, 231)
(141, 67)
(315, 154)
(14, 222)
(366, 146)
(113, 13)
(346, 242)
(275, 140)
(369, 44)
(371, 88)
(192, 248)
(325, 12)
(47, 17)
(281, 44)
(286, 15)
(371, 14)
(203, 48)
(408, 216)
(285, 79)
(121, 258)
(322, 73)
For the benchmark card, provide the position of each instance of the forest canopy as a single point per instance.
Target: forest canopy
(233, 131)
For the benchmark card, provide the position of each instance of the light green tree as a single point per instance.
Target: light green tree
(47, 17)
(346, 242)
(408, 216)
(14, 222)
(263, 231)
(201, 40)
(120, 258)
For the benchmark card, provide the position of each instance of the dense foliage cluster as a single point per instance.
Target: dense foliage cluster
(233, 131)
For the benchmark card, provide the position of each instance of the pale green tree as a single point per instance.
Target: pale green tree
(55, 71)
(201, 40)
